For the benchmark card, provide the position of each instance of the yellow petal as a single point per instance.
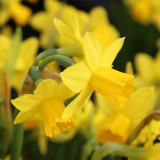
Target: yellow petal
(32, 123)
(23, 116)
(141, 103)
(98, 17)
(105, 105)
(77, 104)
(38, 19)
(46, 89)
(103, 35)
(26, 102)
(28, 50)
(115, 85)
(111, 51)
(157, 65)
(93, 51)
(144, 65)
(63, 92)
(65, 31)
(75, 25)
(52, 6)
(20, 13)
(27, 53)
(76, 76)
(4, 16)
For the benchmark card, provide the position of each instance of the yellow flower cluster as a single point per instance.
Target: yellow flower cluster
(55, 87)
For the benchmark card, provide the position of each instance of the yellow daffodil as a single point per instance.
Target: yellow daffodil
(121, 122)
(47, 101)
(4, 50)
(148, 69)
(145, 11)
(28, 50)
(72, 31)
(95, 73)
(53, 9)
(14, 9)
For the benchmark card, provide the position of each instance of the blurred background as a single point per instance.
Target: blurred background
(140, 37)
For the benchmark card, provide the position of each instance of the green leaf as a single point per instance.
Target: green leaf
(15, 49)
(88, 148)
(123, 150)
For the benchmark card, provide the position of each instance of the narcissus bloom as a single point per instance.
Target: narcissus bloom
(145, 11)
(28, 50)
(14, 9)
(148, 69)
(53, 9)
(121, 122)
(47, 101)
(95, 73)
(72, 31)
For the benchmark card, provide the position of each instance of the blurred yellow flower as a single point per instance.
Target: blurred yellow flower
(14, 9)
(28, 50)
(95, 73)
(148, 70)
(25, 59)
(97, 22)
(121, 122)
(145, 11)
(47, 101)
(43, 21)
(4, 49)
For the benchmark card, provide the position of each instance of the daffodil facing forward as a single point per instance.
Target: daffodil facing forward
(95, 73)
(47, 101)
(121, 122)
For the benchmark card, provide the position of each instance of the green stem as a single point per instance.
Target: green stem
(35, 74)
(71, 51)
(17, 140)
(62, 60)
(122, 150)
(46, 61)
(43, 55)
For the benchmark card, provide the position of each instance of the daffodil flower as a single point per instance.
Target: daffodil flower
(71, 31)
(95, 73)
(28, 50)
(121, 122)
(47, 101)
(148, 69)
(14, 9)
(145, 11)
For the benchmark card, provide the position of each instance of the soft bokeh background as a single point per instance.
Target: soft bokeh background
(139, 38)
